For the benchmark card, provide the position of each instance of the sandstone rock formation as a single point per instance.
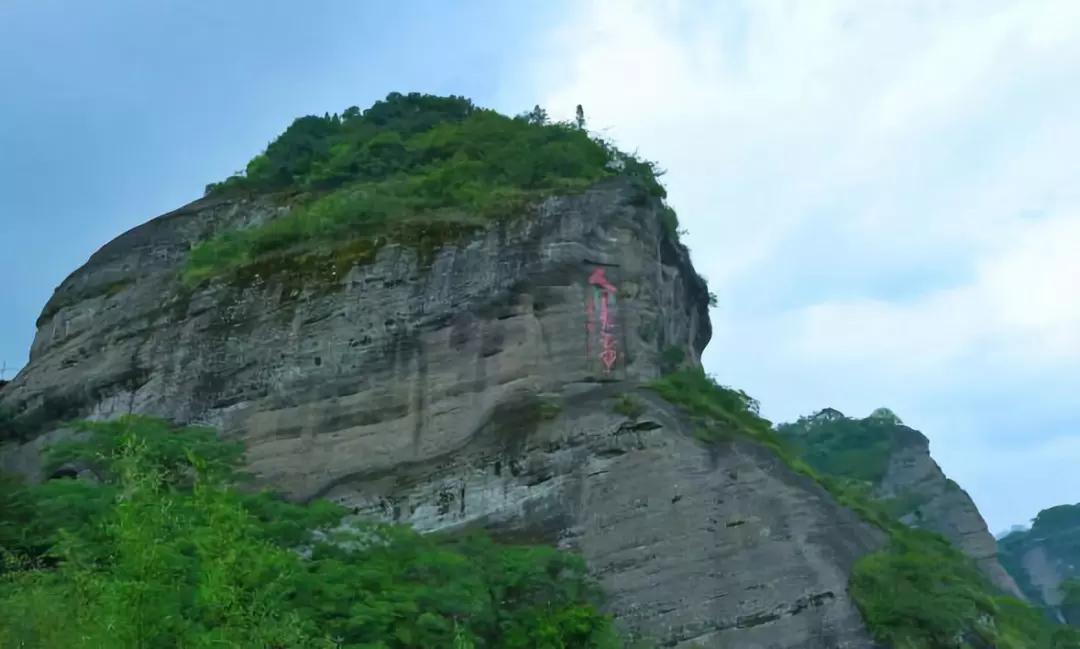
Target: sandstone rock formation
(943, 507)
(1043, 557)
(474, 387)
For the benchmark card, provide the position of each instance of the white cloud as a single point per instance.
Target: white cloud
(887, 196)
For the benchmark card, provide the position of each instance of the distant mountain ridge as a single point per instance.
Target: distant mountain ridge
(1045, 557)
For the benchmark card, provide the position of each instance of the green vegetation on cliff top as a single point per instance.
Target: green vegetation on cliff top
(415, 169)
(918, 592)
(167, 553)
(845, 447)
(857, 451)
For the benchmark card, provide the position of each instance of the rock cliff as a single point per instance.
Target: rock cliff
(895, 461)
(940, 505)
(1043, 557)
(473, 386)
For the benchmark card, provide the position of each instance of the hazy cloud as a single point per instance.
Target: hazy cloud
(884, 197)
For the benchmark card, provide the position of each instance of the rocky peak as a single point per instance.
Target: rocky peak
(939, 504)
(434, 337)
(598, 264)
(895, 459)
(1043, 558)
(479, 386)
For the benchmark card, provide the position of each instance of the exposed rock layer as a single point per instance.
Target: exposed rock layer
(1043, 557)
(943, 506)
(469, 389)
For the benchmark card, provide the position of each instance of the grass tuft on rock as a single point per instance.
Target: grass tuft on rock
(629, 406)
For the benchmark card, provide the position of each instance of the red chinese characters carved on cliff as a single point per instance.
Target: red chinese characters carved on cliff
(601, 296)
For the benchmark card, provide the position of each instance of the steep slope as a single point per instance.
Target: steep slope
(1043, 558)
(896, 461)
(465, 378)
(438, 316)
(427, 397)
(401, 359)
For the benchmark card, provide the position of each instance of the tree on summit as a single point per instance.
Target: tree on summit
(884, 414)
(537, 116)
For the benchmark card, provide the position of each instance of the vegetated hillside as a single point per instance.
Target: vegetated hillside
(163, 551)
(431, 316)
(1045, 561)
(166, 552)
(919, 591)
(893, 463)
(458, 382)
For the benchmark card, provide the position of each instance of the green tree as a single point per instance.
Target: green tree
(1070, 600)
(415, 169)
(537, 116)
(167, 553)
(887, 416)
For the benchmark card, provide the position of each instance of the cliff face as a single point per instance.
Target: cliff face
(389, 355)
(941, 505)
(894, 462)
(474, 386)
(1042, 558)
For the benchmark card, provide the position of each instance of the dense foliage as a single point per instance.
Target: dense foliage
(1070, 600)
(843, 446)
(719, 411)
(417, 169)
(165, 552)
(1062, 521)
(922, 593)
(918, 592)
(856, 453)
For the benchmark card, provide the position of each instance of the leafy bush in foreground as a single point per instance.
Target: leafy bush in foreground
(166, 553)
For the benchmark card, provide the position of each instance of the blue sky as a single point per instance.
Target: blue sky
(116, 111)
(882, 195)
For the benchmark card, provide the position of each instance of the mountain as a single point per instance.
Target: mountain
(1012, 528)
(1044, 559)
(440, 317)
(894, 460)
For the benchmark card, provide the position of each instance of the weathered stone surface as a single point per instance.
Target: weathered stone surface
(1042, 557)
(467, 390)
(1045, 574)
(943, 506)
(721, 546)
